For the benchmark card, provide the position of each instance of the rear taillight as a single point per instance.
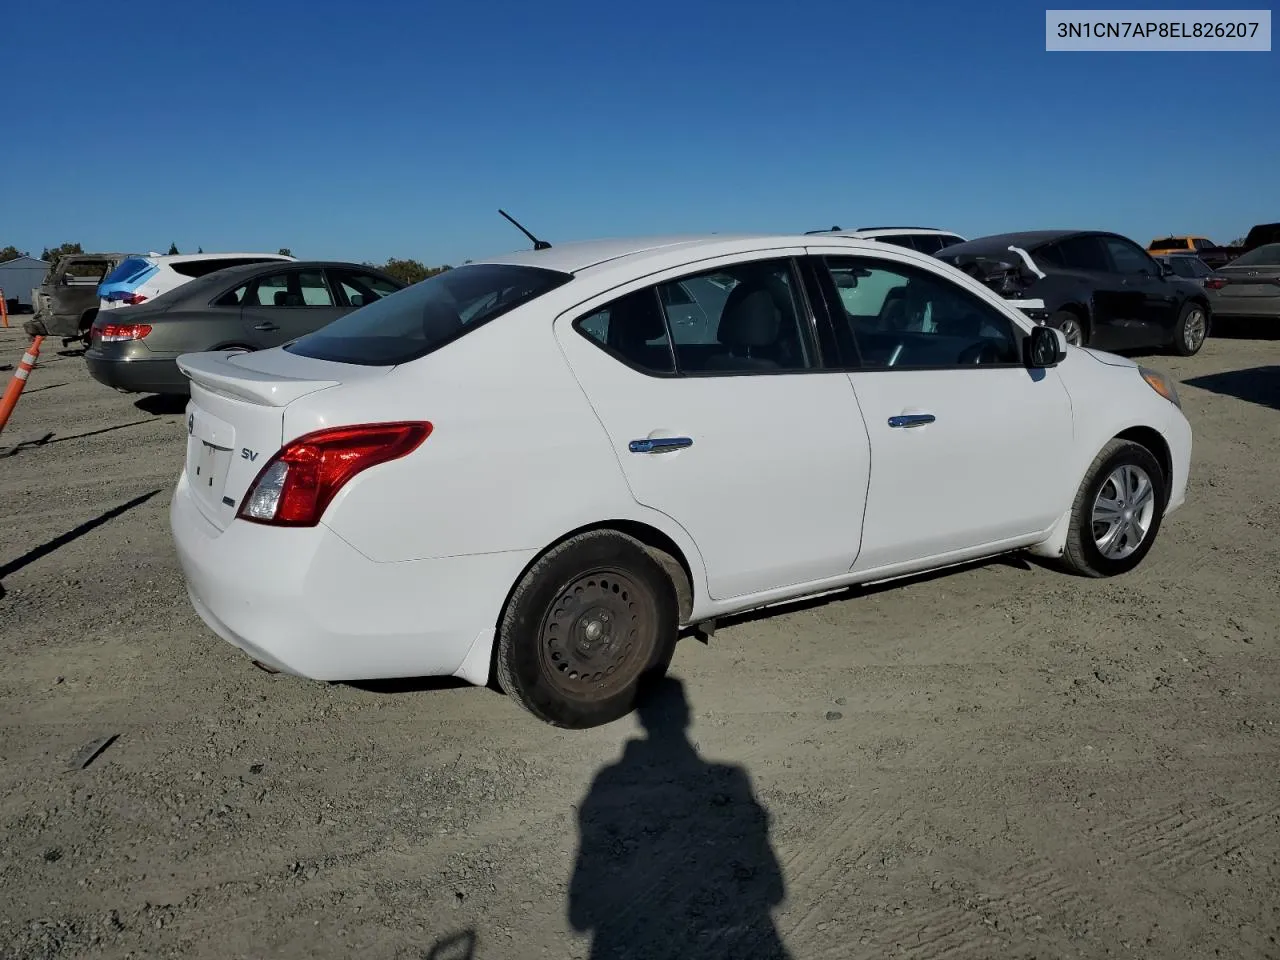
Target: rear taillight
(1215, 283)
(299, 482)
(116, 332)
(132, 299)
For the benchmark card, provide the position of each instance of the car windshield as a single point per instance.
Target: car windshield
(1267, 255)
(427, 315)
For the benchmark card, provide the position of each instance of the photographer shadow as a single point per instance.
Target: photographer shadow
(674, 857)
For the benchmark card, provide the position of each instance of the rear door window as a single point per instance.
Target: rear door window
(422, 318)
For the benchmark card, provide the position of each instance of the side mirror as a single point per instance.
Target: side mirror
(1165, 268)
(1045, 347)
(357, 299)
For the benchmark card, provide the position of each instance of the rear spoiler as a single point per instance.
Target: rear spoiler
(218, 373)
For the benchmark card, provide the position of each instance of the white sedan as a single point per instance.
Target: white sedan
(539, 467)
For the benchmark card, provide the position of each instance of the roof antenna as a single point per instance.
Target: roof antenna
(537, 244)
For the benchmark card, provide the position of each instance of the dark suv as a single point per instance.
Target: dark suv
(1100, 289)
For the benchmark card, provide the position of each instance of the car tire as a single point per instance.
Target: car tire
(1075, 329)
(1191, 330)
(589, 624)
(1113, 529)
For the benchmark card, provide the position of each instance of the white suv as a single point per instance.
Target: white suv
(925, 239)
(141, 278)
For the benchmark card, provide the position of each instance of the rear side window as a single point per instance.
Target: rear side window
(1084, 253)
(129, 268)
(427, 315)
(901, 240)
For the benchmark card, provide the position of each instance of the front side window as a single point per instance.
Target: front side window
(1127, 257)
(1182, 266)
(362, 289)
(1201, 243)
(421, 318)
(900, 316)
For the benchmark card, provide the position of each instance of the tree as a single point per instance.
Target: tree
(285, 252)
(54, 254)
(173, 249)
(11, 253)
(411, 271)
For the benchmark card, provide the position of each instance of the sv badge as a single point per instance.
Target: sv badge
(247, 454)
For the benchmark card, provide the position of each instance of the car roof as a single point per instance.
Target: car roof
(188, 257)
(1026, 239)
(580, 256)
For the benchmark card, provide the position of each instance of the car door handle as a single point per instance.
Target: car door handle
(266, 326)
(659, 444)
(911, 419)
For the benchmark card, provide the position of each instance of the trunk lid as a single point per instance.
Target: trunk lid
(1250, 281)
(235, 418)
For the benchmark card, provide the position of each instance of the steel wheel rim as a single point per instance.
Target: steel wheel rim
(1071, 330)
(1195, 329)
(1123, 511)
(597, 634)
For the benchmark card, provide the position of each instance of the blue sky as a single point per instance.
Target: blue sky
(363, 131)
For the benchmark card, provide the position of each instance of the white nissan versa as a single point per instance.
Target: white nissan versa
(540, 466)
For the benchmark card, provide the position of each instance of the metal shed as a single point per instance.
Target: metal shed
(18, 277)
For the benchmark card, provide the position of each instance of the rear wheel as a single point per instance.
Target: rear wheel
(1072, 327)
(1191, 330)
(589, 621)
(1117, 511)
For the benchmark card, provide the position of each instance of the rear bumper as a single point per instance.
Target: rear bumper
(1261, 308)
(151, 375)
(58, 324)
(307, 603)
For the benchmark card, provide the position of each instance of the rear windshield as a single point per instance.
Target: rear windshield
(129, 268)
(1169, 243)
(427, 315)
(201, 268)
(1267, 255)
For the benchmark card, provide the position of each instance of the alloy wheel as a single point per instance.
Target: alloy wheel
(1123, 511)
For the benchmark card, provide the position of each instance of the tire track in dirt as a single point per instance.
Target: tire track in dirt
(1178, 839)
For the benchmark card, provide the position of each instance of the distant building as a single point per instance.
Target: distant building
(18, 277)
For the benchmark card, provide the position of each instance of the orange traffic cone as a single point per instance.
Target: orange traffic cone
(14, 390)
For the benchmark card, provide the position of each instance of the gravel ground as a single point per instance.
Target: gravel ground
(1002, 761)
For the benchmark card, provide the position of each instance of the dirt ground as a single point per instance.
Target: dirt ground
(999, 762)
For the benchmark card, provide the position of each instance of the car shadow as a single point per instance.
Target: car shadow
(400, 685)
(1260, 385)
(1235, 328)
(161, 404)
(674, 856)
(1017, 561)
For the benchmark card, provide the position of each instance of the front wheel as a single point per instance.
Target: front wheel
(589, 622)
(1191, 330)
(1072, 327)
(1117, 511)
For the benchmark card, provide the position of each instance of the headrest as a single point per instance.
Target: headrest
(751, 317)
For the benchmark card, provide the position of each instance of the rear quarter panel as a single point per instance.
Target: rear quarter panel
(516, 459)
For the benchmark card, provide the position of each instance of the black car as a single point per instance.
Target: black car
(251, 307)
(1100, 289)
